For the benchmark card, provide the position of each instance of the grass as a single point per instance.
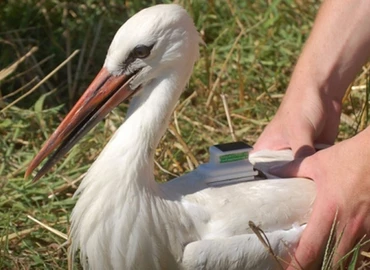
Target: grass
(251, 50)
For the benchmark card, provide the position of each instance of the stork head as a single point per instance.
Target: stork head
(156, 39)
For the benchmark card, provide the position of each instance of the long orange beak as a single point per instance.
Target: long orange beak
(104, 93)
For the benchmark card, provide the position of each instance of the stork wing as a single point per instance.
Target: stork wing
(242, 251)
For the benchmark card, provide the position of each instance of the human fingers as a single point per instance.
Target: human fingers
(349, 235)
(346, 238)
(303, 146)
(311, 247)
(276, 137)
(271, 138)
(299, 167)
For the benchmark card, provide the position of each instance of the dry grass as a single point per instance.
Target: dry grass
(251, 50)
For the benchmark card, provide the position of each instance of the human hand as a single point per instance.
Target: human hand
(304, 118)
(336, 49)
(342, 175)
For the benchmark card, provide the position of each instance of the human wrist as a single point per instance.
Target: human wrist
(336, 49)
(306, 96)
(312, 79)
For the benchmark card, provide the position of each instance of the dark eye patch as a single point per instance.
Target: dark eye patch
(141, 51)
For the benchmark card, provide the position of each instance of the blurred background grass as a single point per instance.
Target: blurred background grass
(251, 50)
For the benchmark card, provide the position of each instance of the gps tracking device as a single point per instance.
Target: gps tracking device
(228, 164)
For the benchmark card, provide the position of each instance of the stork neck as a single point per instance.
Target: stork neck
(121, 183)
(150, 111)
(152, 108)
(147, 119)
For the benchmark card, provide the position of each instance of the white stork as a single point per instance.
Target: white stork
(123, 218)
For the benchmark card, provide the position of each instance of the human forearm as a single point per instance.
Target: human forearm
(335, 51)
(338, 46)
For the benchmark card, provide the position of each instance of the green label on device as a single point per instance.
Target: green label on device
(233, 157)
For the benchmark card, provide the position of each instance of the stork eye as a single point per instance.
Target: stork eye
(142, 51)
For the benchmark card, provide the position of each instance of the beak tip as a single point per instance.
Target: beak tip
(104, 93)
(30, 169)
(36, 178)
(27, 174)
